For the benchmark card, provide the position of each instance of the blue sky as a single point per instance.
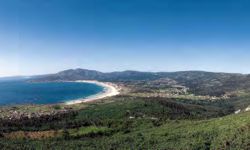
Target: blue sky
(46, 36)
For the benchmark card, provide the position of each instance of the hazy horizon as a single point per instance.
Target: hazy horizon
(41, 37)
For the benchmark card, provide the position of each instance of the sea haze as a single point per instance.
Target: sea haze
(22, 92)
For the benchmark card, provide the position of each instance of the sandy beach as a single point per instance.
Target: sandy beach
(110, 89)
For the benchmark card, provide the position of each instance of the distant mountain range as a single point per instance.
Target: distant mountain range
(14, 78)
(84, 74)
(200, 82)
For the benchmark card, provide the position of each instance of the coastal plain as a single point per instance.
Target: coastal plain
(182, 110)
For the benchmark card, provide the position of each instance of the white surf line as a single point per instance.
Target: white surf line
(109, 90)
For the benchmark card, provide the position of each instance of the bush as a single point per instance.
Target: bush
(57, 107)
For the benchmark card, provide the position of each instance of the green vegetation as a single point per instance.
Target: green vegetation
(136, 123)
(57, 107)
(177, 111)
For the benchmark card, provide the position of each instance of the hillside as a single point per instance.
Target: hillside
(199, 82)
(132, 123)
(178, 110)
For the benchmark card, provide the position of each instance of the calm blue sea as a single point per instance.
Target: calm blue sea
(22, 92)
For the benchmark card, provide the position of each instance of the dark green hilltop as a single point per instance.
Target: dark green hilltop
(154, 110)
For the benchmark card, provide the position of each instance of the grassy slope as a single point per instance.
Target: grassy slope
(152, 126)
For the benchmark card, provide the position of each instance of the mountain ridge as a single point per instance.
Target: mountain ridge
(199, 82)
(87, 73)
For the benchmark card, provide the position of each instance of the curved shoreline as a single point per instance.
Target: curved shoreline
(109, 90)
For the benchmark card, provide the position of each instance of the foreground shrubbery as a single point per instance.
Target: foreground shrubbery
(133, 123)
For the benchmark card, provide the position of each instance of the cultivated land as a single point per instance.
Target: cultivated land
(181, 110)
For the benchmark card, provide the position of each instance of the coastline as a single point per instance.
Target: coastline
(109, 90)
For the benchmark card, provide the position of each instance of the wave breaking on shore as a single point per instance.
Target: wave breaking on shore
(110, 89)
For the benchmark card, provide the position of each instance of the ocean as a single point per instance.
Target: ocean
(22, 92)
